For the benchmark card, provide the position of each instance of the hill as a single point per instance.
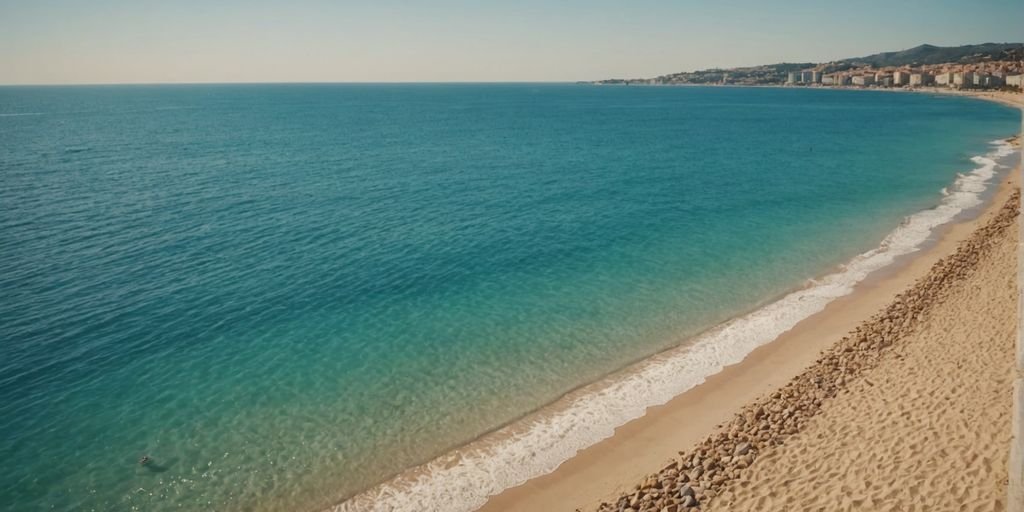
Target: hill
(929, 54)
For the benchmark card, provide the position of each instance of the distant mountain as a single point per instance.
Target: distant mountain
(929, 54)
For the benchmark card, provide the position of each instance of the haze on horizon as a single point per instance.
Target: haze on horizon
(121, 41)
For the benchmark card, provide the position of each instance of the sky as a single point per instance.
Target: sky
(187, 41)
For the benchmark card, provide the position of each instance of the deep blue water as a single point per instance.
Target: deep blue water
(286, 293)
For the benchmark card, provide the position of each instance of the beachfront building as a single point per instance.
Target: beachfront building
(793, 77)
(828, 80)
(864, 80)
(806, 76)
(993, 81)
(1014, 80)
(901, 78)
(816, 77)
(841, 79)
(963, 79)
(919, 79)
(944, 79)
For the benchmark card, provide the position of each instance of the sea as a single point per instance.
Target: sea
(369, 296)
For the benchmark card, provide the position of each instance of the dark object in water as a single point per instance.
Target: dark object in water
(144, 460)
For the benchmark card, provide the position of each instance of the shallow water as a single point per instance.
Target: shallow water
(287, 293)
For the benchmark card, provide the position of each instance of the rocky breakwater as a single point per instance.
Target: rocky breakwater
(697, 476)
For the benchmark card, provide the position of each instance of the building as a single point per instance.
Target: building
(1014, 80)
(993, 81)
(793, 77)
(885, 82)
(980, 79)
(841, 79)
(864, 80)
(944, 79)
(901, 78)
(963, 79)
(828, 80)
(919, 79)
(807, 76)
(816, 77)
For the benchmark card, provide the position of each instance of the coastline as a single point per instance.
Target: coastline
(670, 411)
(915, 406)
(603, 471)
(910, 410)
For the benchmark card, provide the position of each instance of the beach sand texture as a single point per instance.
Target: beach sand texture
(911, 411)
(927, 429)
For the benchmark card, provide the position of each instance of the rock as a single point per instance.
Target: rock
(687, 491)
(742, 449)
(689, 502)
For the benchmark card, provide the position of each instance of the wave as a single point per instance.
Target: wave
(463, 480)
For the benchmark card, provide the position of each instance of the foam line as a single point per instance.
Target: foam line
(463, 480)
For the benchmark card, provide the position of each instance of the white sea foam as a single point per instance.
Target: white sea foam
(463, 480)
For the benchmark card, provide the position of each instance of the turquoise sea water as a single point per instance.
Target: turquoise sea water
(285, 294)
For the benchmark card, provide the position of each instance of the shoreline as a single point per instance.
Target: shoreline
(1008, 98)
(910, 409)
(641, 444)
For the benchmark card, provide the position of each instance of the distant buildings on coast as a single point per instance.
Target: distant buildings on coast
(988, 75)
(966, 67)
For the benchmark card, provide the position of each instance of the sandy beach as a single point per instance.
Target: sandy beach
(810, 421)
(928, 426)
(511, 257)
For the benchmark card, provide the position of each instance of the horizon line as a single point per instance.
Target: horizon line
(383, 82)
(352, 82)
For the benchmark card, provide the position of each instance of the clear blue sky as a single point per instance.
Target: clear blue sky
(122, 41)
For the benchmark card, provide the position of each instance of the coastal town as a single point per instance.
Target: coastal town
(990, 66)
(987, 75)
